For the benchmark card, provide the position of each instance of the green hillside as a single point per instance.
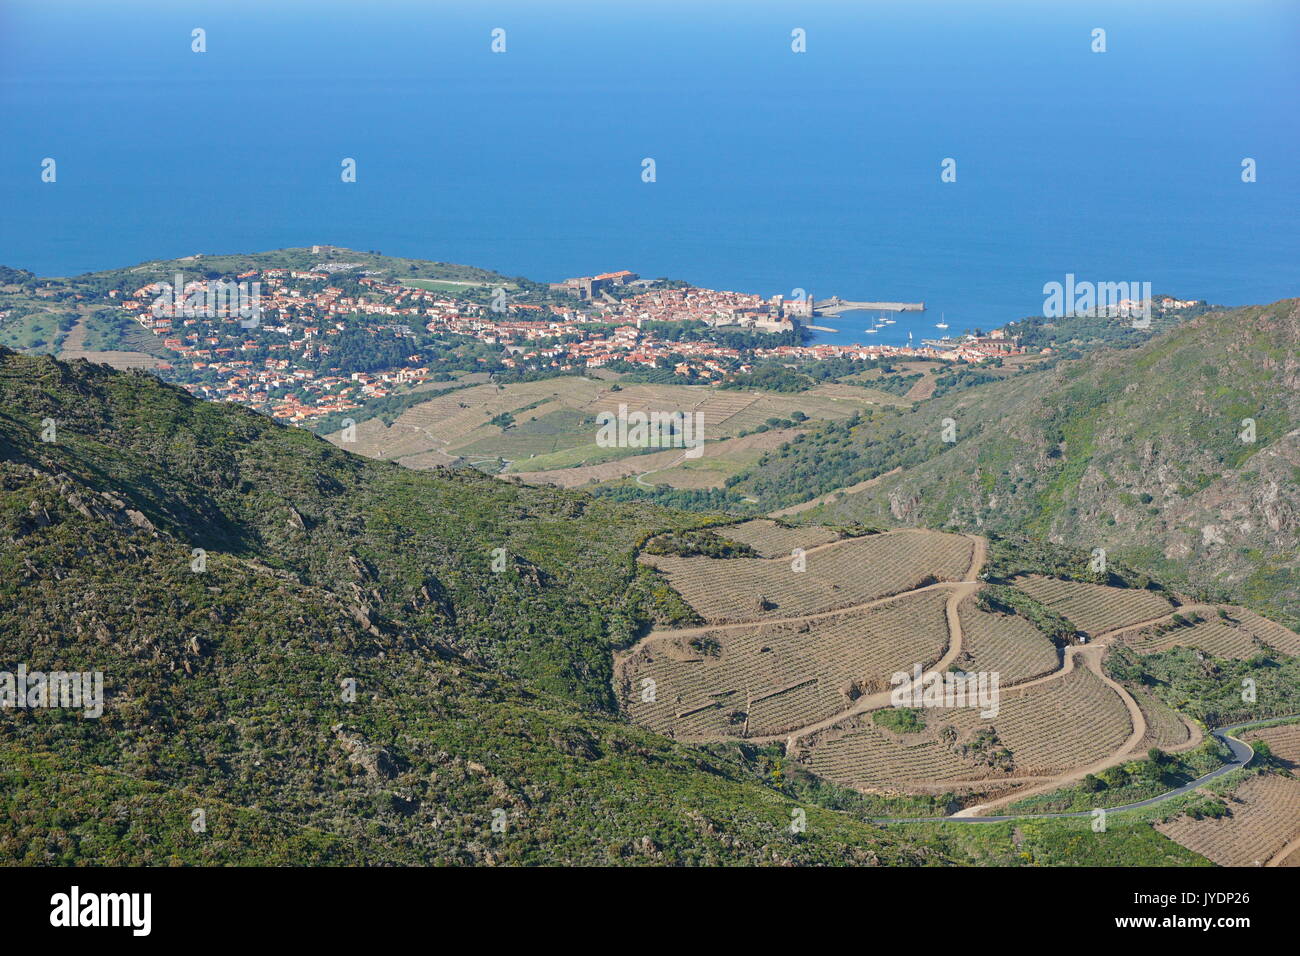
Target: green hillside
(346, 680)
(1135, 450)
(224, 687)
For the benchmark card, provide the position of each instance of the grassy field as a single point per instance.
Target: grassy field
(33, 324)
(546, 431)
(448, 285)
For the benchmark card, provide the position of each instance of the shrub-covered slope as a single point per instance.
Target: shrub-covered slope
(1139, 451)
(477, 693)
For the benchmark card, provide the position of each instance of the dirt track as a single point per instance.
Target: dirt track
(822, 499)
(73, 348)
(1279, 858)
(1094, 655)
(1241, 755)
(1090, 655)
(958, 591)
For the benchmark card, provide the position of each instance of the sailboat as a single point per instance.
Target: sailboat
(942, 323)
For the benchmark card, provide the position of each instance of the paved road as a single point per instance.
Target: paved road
(1241, 755)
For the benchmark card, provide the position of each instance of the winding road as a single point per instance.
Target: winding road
(1241, 755)
(1088, 655)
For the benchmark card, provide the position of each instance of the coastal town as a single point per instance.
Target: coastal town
(286, 341)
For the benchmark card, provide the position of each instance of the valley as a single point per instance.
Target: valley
(775, 618)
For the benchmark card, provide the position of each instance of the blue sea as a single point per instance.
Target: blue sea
(775, 170)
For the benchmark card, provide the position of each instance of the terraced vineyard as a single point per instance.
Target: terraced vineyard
(772, 540)
(438, 430)
(1283, 740)
(1050, 728)
(1165, 729)
(1005, 644)
(840, 575)
(771, 678)
(807, 656)
(1094, 608)
(1224, 631)
(1270, 632)
(729, 411)
(671, 466)
(716, 407)
(550, 434)
(1263, 817)
(1214, 637)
